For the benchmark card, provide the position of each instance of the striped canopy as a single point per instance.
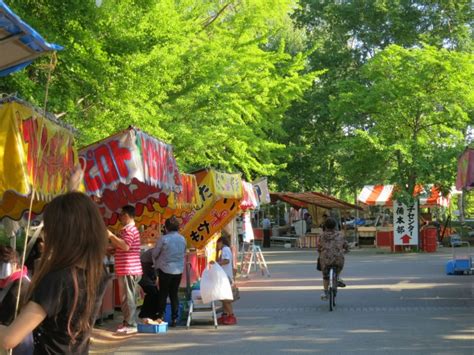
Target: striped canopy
(381, 195)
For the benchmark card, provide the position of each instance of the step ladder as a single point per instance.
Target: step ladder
(252, 258)
(198, 310)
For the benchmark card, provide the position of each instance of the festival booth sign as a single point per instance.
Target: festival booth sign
(247, 202)
(37, 158)
(220, 195)
(262, 193)
(405, 231)
(130, 168)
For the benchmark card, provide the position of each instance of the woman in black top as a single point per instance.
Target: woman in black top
(69, 283)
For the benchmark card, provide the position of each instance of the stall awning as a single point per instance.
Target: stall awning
(381, 195)
(37, 156)
(303, 199)
(130, 168)
(20, 44)
(179, 204)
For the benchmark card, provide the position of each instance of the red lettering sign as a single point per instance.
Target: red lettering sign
(50, 160)
(106, 166)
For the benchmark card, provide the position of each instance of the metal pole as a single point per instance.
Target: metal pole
(357, 216)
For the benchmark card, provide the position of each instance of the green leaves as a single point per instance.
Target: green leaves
(415, 103)
(357, 121)
(213, 78)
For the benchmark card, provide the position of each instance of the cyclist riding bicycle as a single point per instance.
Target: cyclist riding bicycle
(331, 247)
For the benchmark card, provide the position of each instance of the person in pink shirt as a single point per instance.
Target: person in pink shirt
(128, 268)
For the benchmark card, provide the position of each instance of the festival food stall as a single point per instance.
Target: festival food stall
(129, 168)
(37, 158)
(402, 229)
(20, 44)
(179, 204)
(316, 204)
(220, 196)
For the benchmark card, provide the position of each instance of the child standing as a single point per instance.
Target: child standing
(224, 259)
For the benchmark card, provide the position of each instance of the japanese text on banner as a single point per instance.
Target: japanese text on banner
(405, 223)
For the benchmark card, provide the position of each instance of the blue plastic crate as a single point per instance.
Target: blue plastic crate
(168, 312)
(463, 264)
(153, 328)
(451, 267)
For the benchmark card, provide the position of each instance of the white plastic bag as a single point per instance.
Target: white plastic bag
(215, 285)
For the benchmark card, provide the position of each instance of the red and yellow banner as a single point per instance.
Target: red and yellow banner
(220, 196)
(36, 155)
(179, 203)
(134, 168)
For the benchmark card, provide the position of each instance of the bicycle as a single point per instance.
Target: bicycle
(332, 289)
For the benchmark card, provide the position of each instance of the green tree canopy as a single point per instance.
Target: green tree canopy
(410, 111)
(213, 78)
(346, 34)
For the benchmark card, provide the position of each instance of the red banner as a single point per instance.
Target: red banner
(130, 168)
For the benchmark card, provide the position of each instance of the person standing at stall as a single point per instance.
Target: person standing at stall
(128, 268)
(149, 310)
(267, 226)
(168, 256)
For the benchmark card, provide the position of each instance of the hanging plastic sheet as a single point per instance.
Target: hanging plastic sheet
(465, 178)
(249, 200)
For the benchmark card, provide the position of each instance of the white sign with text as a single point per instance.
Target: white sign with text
(405, 223)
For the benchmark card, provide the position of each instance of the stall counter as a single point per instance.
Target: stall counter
(367, 236)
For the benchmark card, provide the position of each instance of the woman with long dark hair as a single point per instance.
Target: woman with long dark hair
(68, 285)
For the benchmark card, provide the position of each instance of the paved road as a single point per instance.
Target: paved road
(393, 304)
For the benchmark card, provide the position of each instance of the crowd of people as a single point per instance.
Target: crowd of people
(59, 304)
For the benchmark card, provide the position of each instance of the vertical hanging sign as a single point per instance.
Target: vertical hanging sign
(405, 223)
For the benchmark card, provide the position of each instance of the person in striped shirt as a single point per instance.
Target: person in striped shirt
(128, 268)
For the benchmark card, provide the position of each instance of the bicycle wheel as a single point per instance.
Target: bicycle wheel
(331, 299)
(331, 290)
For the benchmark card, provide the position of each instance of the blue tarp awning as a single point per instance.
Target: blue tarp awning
(20, 44)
